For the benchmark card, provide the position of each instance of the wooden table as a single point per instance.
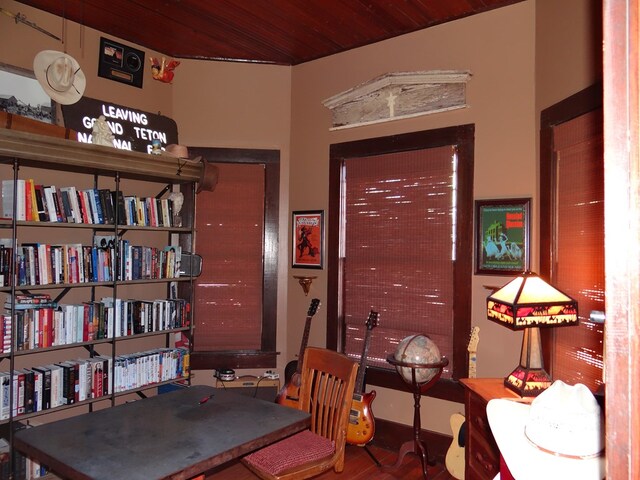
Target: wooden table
(176, 435)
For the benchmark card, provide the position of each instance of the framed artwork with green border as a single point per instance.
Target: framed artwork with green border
(502, 236)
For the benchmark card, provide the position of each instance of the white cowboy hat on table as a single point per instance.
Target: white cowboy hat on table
(560, 435)
(60, 76)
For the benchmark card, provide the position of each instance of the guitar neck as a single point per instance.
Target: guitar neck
(372, 321)
(303, 343)
(472, 364)
(359, 387)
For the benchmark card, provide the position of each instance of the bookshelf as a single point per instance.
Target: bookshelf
(94, 296)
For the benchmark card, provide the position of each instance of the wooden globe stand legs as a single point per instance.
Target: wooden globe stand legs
(416, 445)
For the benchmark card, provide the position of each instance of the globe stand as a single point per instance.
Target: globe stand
(416, 445)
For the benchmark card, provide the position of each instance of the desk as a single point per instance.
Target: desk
(481, 452)
(168, 436)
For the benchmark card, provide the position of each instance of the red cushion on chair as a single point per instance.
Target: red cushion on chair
(293, 451)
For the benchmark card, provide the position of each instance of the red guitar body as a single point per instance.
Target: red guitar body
(362, 425)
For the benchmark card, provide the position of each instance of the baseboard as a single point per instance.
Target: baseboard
(392, 435)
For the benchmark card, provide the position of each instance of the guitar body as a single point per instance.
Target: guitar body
(289, 394)
(454, 460)
(361, 426)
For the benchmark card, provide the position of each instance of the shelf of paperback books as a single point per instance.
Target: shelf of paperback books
(90, 272)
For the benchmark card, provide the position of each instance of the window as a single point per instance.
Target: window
(401, 213)
(236, 234)
(572, 231)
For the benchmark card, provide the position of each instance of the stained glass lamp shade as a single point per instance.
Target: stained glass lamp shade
(529, 303)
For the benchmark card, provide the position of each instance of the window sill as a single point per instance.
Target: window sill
(450, 390)
(233, 359)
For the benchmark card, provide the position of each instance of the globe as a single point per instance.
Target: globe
(418, 349)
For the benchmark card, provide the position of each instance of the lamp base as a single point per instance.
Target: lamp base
(528, 382)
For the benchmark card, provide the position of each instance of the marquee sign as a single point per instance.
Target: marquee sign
(133, 129)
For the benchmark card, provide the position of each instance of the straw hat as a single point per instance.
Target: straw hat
(560, 435)
(60, 76)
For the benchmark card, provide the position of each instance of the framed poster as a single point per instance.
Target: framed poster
(502, 236)
(308, 239)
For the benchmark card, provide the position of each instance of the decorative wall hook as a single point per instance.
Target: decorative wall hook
(305, 283)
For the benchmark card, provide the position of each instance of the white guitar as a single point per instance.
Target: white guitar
(472, 350)
(454, 460)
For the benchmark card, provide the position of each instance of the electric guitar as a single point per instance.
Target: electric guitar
(361, 425)
(289, 395)
(454, 460)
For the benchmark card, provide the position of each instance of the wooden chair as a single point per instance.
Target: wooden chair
(326, 392)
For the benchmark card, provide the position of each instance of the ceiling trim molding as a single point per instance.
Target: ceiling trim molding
(399, 95)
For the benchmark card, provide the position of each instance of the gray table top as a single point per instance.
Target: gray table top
(172, 435)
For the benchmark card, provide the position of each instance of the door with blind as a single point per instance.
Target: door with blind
(572, 231)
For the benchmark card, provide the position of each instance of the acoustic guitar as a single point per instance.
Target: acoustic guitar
(361, 425)
(289, 395)
(454, 460)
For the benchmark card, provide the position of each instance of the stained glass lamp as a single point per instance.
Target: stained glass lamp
(529, 303)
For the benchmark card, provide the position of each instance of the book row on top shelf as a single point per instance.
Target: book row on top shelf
(91, 206)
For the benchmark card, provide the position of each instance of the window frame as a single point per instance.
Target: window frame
(462, 137)
(266, 357)
(585, 101)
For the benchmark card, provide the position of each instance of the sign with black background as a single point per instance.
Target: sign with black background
(133, 129)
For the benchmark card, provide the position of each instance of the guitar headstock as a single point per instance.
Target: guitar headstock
(474, 338)
(372, 321)
(313, 308)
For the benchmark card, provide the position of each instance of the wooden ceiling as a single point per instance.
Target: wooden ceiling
(283, 32)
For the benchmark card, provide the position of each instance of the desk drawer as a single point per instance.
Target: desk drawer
(483, 456)
(478, 416)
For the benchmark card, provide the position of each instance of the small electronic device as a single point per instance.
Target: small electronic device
(190, 264)
(226, 374)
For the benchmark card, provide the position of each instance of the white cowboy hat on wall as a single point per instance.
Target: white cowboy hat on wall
(60, 76)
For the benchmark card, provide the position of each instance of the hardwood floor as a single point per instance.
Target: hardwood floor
(358, 466)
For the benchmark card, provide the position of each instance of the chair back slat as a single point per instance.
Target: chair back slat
(328, 377)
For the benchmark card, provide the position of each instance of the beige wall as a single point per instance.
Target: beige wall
(498, 49)
(523, 58)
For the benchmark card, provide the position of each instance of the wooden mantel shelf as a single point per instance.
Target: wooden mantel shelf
(53, 153)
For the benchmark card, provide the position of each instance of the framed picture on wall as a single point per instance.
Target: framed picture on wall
(21, 94)
(308, 239)
(502, 236)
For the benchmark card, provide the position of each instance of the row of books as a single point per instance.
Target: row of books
(24, 468)
(47, 203)
(44, 264)
(65, 383)
(46, 324)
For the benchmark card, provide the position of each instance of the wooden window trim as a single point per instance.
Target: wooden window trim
(463, 137)
(578, 104)
(266, 357)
